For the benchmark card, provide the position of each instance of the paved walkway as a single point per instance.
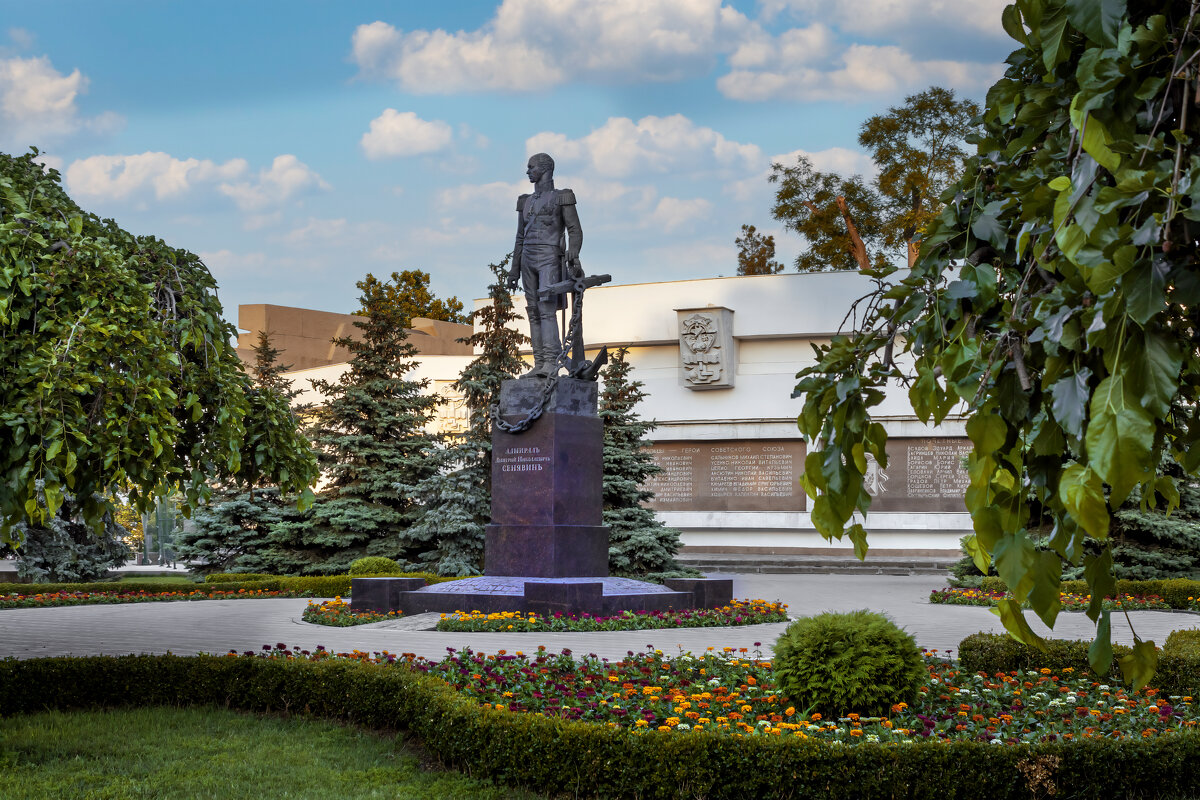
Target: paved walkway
(217, 626)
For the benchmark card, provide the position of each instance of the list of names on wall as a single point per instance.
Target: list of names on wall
(923, 474)
(751, 475)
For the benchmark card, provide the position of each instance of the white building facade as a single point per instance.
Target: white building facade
(718, 359)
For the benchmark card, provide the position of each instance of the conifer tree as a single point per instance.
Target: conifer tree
(456, 501)
(371, 439)
(231, 532)
(638, 542)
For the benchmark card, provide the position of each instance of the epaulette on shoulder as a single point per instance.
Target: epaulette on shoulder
(566, 197)
(521, 202)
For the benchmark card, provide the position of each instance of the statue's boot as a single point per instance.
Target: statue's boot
(535, 337)
(548, 348)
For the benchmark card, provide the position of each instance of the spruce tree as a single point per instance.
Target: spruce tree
(371, 439)
(231, 532)
(638, 542)
(1147, 543)
(455, 502)
(64, 549)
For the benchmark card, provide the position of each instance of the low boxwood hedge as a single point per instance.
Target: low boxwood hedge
(1177, 592)
(314, 585)
(586, 760)
(1178, 662)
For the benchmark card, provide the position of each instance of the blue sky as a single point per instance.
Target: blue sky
(297, 146)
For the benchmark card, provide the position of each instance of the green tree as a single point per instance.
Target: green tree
(1053, 302)
(370, 438)
(638, 542)
(65, 550)
(116, 369)
(455, 502)
(849, 224)
(756, 253)
(230, 533)
(408, 291)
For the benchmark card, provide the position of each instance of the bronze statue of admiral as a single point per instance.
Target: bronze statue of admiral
(546, 254)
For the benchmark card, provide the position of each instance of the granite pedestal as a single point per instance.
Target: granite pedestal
(547, 547)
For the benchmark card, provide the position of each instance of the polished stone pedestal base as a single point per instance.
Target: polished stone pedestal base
(546, 551)
(603, 596)
(380, 594)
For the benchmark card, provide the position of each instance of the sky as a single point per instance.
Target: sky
(296, 146)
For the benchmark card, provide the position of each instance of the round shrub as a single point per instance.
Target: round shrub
(374, 565)
(860, 662)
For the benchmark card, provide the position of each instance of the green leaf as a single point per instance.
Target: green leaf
(1045, 596)
(1104, 276)
(987, 431)
(1013, 617)
(76, 225)
(1100, 654)
(1060, 184)
(1015, 558)
(53, 449)
(1096, 138)
(1099, 20)
(1082, 493)
(1145, 290)
(1097, 571)
(1140, 665)
(1069, 400)
(1154, 370)
(858, 535)
(1053, 26)
(1119, 438)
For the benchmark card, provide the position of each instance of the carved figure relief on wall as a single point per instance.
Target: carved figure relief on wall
(875, 478)
(702, 352)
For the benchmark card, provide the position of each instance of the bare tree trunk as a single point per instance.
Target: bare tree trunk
(856, 248)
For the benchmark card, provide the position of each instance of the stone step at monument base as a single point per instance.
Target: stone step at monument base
(603, 596)
(818, 564)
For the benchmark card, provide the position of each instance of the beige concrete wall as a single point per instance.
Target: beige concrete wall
(303, 335)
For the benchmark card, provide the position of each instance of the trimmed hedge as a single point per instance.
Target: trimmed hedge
(1178, 662)
(1175, 591)
(315, 585)
(579, 759)
(237, 577)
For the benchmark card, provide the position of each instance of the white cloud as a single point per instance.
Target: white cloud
(394, 133)
(622, 147)
(536, 44)
(38, 104)
(287, 177)
(314, 230)
(864, 70)
(758, 191)
(120, 176)
(21, 38)
(885, 17)
(672, 213)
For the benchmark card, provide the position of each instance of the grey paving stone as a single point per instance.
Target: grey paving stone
(217, 626)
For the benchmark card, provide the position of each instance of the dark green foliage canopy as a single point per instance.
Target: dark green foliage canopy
(638, 542)
(918, 150)
(116, 369)
(370, 438)
(408, 292)
(1054, 302)
(455, 502)
(756, 253)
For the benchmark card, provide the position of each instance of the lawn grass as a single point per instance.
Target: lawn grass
(182, 580)
(165, 753)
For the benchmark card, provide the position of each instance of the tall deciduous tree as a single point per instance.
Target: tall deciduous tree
(756, 253)
(1053, 301)
(116, 369)
(849, 223)
(638, 542)
(455, 502)
(370, 435)
(408, 292)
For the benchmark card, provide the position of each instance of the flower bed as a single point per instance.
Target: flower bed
(1070, 601)
(50, 599)
(337, 613)
(738, 612)
(732, 692)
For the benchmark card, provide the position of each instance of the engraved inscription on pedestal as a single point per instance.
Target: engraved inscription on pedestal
(706, 349)
(523, 459)
(748, 475)
(925, 474)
